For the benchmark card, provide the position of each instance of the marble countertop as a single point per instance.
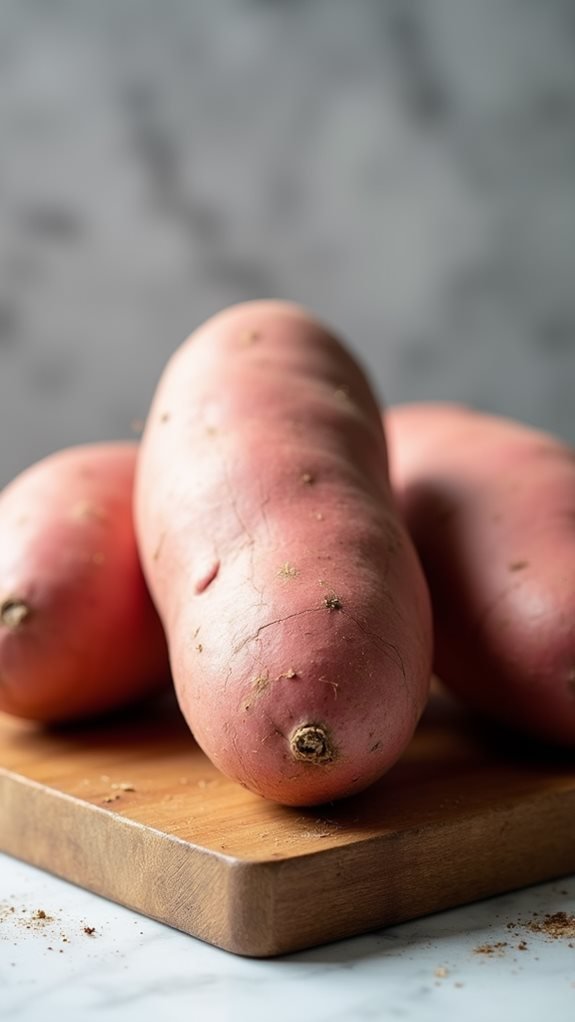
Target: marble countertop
(89, 958)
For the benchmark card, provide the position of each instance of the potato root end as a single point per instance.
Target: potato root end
(13, 612)
(311, 743)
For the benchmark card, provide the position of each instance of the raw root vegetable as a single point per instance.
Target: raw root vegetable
(78, 631)
(297, 616)
(491, 507)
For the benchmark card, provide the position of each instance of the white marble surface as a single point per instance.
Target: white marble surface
(135, 970)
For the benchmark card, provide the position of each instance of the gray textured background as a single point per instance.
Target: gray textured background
(405, 168)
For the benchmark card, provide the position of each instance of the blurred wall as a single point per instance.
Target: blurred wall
(405, 168)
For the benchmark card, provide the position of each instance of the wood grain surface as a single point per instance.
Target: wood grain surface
(130, 808)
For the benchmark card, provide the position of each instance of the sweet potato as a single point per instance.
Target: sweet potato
(78, 631)
(491, 507)
(297, 617)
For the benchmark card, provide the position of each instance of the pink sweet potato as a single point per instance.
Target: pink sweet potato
(491, 507)
(297, 617)
(78, 631)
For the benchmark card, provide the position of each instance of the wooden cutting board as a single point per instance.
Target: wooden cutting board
(131, 809)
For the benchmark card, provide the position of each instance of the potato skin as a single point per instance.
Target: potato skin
(297, 616)
(79, 634)
(491, 507)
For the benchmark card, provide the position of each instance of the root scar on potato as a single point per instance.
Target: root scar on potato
(13, 612)
(311, 743)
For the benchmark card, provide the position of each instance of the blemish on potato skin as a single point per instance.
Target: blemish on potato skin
(14, 612)
(86, 510)
(307, 478)
(288, 570)
(260, 683)
(159, 544)
(342, 392)
(332, 602)
(518, 565)
(165, 416)
(207, 579)
(249, 337)
(334, 685)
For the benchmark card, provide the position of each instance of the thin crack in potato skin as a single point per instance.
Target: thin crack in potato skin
(268, 624)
